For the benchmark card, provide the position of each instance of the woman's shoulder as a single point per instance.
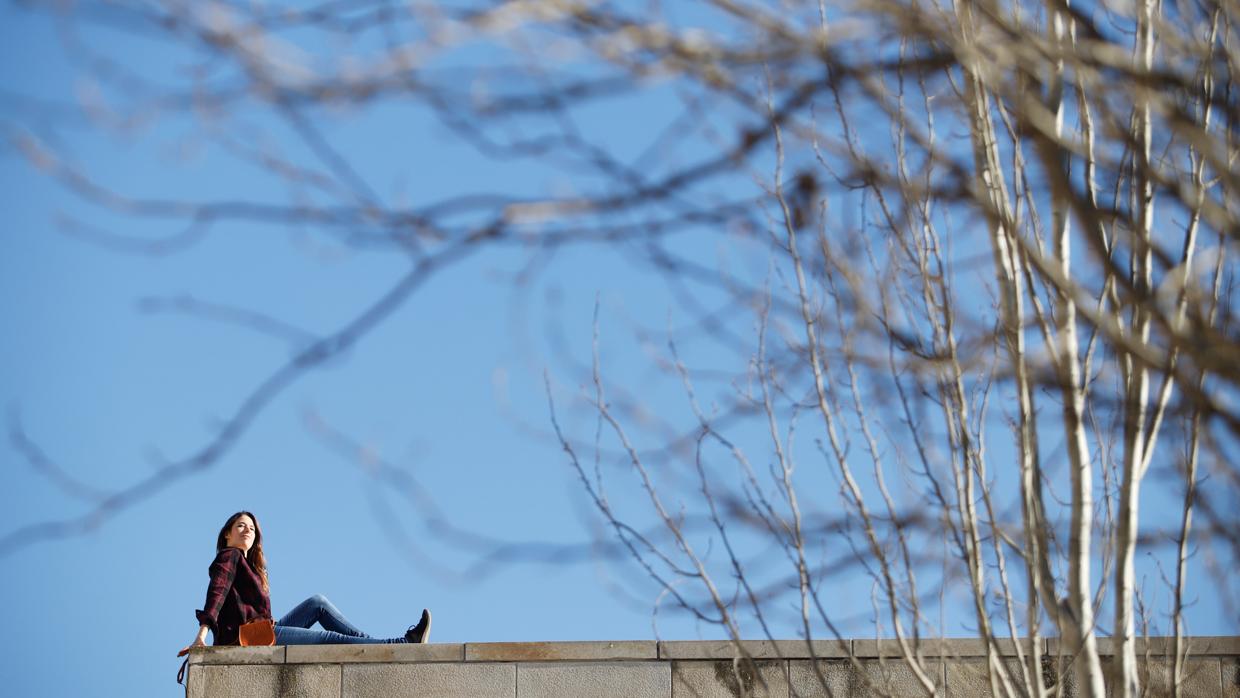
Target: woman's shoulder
(231, 554)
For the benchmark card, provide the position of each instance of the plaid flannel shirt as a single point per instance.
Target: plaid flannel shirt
(234, 596)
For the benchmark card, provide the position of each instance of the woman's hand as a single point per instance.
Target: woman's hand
(199, 641)
(196, 643)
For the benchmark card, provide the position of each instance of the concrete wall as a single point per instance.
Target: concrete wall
(782, 669)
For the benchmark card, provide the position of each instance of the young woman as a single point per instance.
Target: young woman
(238, 594)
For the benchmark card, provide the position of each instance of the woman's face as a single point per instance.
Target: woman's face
(241, 534)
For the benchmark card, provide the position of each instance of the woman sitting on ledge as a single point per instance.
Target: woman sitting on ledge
(238, 595)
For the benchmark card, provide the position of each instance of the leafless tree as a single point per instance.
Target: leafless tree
(978, 285)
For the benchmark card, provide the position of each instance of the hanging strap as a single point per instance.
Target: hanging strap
(181, 673)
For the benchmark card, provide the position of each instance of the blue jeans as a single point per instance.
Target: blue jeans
(294, 628)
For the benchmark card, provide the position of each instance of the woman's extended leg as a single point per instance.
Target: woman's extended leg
(290, 635)
(294, 628)
(318, 609)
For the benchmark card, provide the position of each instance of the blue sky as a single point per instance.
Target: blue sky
(450, 387)
(111, 381)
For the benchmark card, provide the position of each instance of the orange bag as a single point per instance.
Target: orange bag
(257, 633)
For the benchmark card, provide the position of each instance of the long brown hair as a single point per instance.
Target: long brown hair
(258, 561)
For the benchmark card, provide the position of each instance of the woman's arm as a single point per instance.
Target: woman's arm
(199, 641)
(223, 572)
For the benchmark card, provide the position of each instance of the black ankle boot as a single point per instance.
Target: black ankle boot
(422, 631)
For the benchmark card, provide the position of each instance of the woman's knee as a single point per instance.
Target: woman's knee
(316, 603)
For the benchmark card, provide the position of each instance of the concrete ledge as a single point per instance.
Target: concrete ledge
(728, 679)
(675, 669)
(391, 654)
(941, 648)
(754, 649)
(258, 681)
(1231, 676)
(894, 678)
(967, 678)
(558, 651)
(237, 655)
(1200, 677)
(1205, 645)
(594, 680)
(822, 678)
(476, 679)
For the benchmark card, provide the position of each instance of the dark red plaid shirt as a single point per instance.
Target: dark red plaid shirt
(234, 596)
